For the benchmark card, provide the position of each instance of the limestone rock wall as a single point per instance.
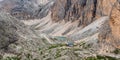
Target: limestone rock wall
(87, 11)
(70, 10)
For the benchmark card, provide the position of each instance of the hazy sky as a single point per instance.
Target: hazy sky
(1, 0)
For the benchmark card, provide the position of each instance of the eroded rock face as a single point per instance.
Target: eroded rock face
(114, 25)
(86, 11)
(71, 10)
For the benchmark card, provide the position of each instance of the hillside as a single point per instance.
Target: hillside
(59, 30)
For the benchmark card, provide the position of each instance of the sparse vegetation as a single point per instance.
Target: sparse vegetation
(12, 58)
(84, 45)
(58, 54)
(56, 45)
(77, 49)
(29, 56)
(101, 58)
(116, 51)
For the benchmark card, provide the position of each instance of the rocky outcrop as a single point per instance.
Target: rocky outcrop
(9, 27)
(27, 9)
(70, 10)
(110, 32)
(43, 10)
(83, 10)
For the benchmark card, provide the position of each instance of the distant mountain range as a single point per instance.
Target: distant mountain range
(28, 8)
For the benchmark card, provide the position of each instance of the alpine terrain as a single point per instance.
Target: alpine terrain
(59, 29)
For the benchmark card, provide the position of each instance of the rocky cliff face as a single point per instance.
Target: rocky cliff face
(110, 31)
(83, 10)
(114, 25)
(70, 10)
(87, 11)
